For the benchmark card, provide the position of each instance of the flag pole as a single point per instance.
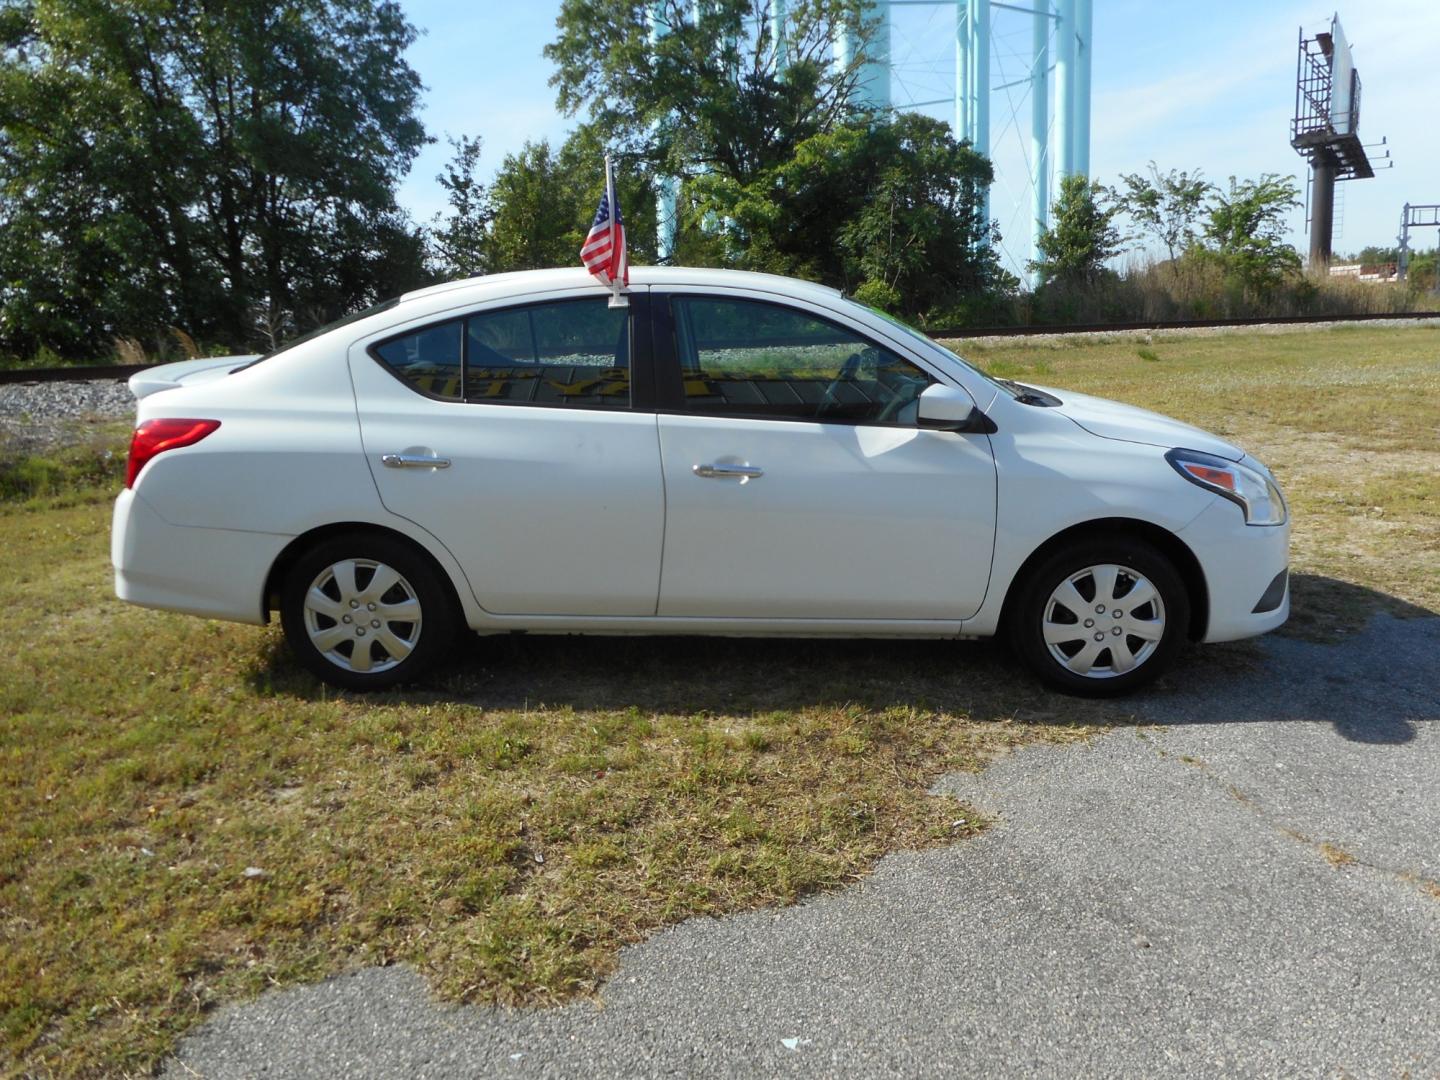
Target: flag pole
(617, 299)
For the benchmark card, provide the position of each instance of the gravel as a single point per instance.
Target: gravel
(42, 416)
(1247, 889)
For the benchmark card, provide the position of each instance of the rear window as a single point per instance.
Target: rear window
(429, 359)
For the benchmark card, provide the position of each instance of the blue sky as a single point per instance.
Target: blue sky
(1204, 83)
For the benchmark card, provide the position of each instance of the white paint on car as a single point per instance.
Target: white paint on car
(598, 504)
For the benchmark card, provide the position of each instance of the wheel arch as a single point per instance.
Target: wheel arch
(1169, 545)
(270, 598)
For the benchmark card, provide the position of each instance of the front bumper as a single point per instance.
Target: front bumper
(217, 573)
(1240, 563)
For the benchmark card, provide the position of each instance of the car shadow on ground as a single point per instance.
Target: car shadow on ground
(1366, 662)
(1361, 660)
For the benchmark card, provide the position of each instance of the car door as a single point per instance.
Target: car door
(509, 434)
(798, 485)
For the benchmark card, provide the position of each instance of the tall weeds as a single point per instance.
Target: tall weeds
(1200, 288)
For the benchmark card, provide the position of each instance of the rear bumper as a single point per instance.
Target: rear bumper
(216, 573)
(1241, 563)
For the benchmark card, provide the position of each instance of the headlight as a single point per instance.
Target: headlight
(1249, 488)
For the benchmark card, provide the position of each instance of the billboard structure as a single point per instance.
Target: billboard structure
(1326, 128)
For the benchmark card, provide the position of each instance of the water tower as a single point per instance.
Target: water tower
(941, 54)
(1051, 68)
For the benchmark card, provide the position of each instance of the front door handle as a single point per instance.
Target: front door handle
(742, 473)
(414, 461)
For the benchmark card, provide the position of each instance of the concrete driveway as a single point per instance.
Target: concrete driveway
(1249, 888)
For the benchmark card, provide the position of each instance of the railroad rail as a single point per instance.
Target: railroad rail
(98, 373)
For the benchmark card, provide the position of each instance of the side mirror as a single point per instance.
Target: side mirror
(945, 408)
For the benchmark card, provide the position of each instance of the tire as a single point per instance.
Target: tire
(1113, 654)
(344, 607)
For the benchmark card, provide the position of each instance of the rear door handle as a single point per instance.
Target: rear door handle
(730, 472)
(414, 461)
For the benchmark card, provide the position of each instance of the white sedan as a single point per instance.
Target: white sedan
(730, 453)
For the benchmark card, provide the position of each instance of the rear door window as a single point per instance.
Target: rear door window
(566, 353)
(572, 353)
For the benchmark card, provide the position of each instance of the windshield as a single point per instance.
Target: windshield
(356, 316)
(929, 344)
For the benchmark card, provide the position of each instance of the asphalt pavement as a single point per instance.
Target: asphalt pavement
(1247, 888)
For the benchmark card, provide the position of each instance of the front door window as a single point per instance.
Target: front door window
(748, 358)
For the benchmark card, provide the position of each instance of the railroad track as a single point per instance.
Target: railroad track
(124, 371)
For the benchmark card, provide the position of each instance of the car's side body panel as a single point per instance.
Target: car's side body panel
(1055, 476)
(1217, 536)
(551, 511)
(287, 455)
(286, 460)
(215, 573)
(848, 521)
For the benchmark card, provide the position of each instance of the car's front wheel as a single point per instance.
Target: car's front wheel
(1101, 618)
(366, 612)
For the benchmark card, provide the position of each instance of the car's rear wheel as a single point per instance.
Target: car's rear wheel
(1101, 618)
(366, 612)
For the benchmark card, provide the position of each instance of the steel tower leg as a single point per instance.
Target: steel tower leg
(874, 85)
(980, 69)
(963, 128)
(1039, 127)
(1404, 261)
(666, 187)
(1064, 89)
(1084, 22)
(1322, 212)
(778, 43)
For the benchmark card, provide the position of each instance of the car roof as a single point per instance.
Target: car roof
(525, 281)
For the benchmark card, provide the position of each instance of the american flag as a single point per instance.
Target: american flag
(603, 252)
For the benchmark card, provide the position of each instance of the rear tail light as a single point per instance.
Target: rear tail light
(156, 436)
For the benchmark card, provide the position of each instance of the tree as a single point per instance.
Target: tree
(1246, 227)
(1082, 236)
(1167, 205)
(459, 242)
(708, 91)
(542, 202)
(1424, 272)
(536, 210)
(891, 209)
(1372, 255)
(210, 166)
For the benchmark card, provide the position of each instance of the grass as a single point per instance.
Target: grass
(93, 458)
(191, 820)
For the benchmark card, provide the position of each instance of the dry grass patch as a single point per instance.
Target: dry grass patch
(1336, 856)
(191, 819)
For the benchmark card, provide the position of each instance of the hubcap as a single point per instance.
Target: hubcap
(362, 615)
(1104, 621)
